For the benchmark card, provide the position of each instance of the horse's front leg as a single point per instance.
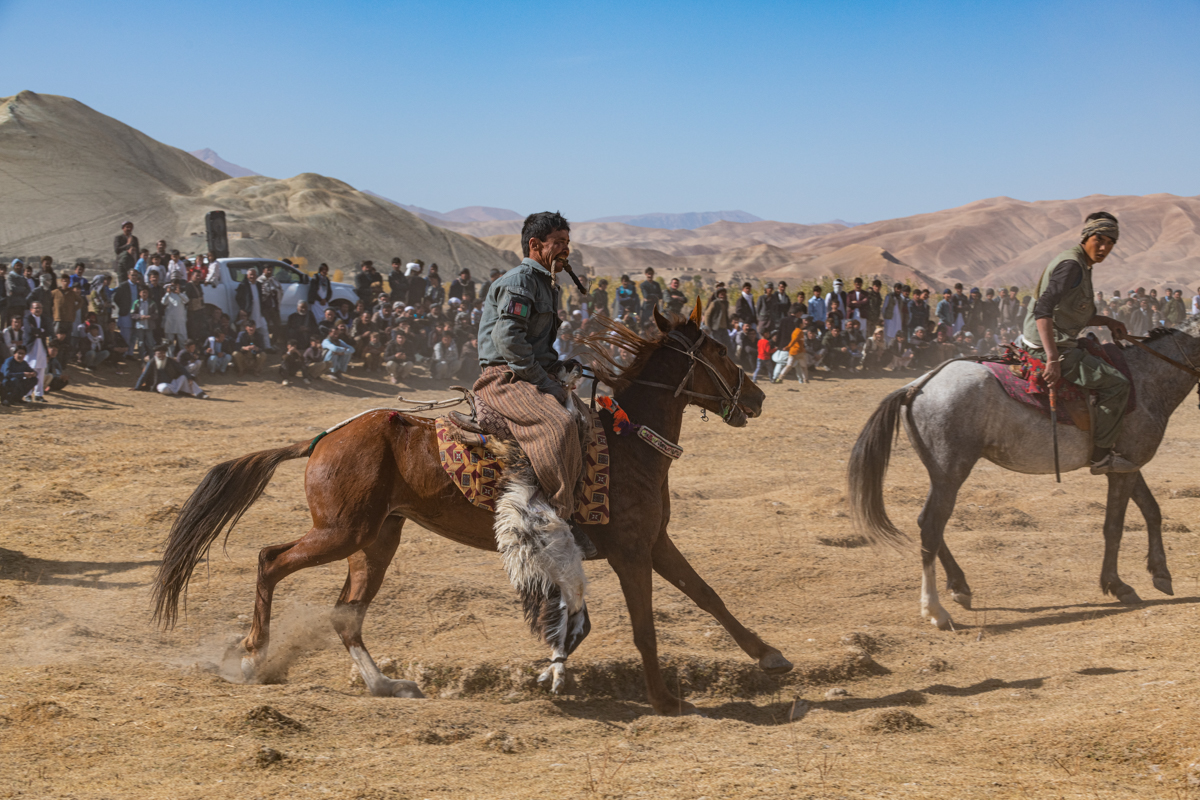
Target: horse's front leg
(1120, 488)
(675, 569)
(633, 570)
(1156, 557)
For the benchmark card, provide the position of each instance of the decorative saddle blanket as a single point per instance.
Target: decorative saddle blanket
(476, 472)
(1019, 374)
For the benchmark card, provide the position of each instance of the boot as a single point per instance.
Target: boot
(1113, 462)
(584, 543)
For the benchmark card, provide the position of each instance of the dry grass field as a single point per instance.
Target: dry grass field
(1046, 689)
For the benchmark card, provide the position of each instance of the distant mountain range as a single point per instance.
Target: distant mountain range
(686, 222)
(210, 157)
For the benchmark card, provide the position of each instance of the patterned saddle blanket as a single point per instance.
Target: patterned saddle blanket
(476, 471)
(1019, 374)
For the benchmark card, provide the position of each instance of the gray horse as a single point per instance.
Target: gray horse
(958, 414)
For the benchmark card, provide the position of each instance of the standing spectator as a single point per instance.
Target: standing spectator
(102, 299)
(125, 240)
(193, 292)
(463, 288)
(249, 299)
(627, 298)
(145, 315)
(945, 311)
(249, 351)
(3, 294)
(495, 274)
(716, 317)
(839, 294)
(320, 291)
(160, 250)
(745, 345)
(272, 296)
(990, 311)
(816, 307)
(164, 375)
(416, 283)
(363, 281)
(675, 298)
(874, 305)
(764, 310)
(37, 338)
(18, 290)
(216, 353)
(744, 308)
(175, 267)
(397, 282)
(797, 357)
(918, 310)
(894, 312)
(597, 300)
(67, 306)
(175, 317)
(961, 304)
(435, 293)
(337, 351)
(763, 364)
(124, 299)
(1175, 312)
(1022, 311)
(652, 294)
(857, 304)
(1006, 307)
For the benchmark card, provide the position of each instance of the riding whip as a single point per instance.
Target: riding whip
(1054, 429)
(567, 268)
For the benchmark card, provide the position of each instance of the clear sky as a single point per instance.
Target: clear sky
(795, 111)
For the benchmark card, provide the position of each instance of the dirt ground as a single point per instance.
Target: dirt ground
(1046, 689)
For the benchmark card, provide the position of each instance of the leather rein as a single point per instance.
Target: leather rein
(729, 396)
(1189, 367)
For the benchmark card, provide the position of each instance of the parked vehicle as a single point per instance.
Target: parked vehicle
(221, 291)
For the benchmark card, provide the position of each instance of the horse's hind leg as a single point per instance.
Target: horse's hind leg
(675, 569)
(367, 570)
(939, 505)
(318, 546)
(956, 580)
(1120, 487)
(1156, 558)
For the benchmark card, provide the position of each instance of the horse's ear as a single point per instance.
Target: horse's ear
(662, 322)
(697, 312)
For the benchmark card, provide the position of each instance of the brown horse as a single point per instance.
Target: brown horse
(365, 479)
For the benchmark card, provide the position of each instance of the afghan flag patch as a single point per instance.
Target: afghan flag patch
(518, 307)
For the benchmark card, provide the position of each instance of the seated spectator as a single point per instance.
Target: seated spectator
(115, 344)
(943, 348)
(922, 349)
(337, 351)
(190, 359)
(446, 358)
(216, 353)
(397, 358)
(56, 376)
(469, 371)
(328, 323)
(249, 351)
(372, 352)
(314, 360)
(293, 363)
(164, 375)
(301, 326)
(835, 346)
(875, 353)
(93, 351)
(17, 378)
(14, 335)
(899, 353)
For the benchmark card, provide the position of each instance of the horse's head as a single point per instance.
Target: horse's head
(709, 377)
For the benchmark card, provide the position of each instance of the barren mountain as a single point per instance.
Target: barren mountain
(71, 175)
(686, 221)
(210, 157)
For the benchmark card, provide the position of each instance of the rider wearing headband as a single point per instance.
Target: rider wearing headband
(1066, 305)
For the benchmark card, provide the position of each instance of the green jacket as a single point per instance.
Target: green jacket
(1073, 312)
(519, 323)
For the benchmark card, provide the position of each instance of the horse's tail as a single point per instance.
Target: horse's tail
(225, 494)
(868, 466)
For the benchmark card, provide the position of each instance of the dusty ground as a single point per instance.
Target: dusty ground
(1047, 689)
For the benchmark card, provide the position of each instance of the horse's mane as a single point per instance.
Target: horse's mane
(1158, 333)
(607, 332)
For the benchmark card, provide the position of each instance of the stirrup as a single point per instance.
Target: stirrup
(1114, 462)
(468, 424)
(583, 541)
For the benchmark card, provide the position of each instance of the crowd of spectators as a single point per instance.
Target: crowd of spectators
(150, 322)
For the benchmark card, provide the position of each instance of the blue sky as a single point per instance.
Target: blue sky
(797, 111)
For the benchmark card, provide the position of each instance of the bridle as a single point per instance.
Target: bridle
(1189, 368)
(729, 396)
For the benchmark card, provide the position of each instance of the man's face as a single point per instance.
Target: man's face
(154, 279)
(36, 309)
(64, 283)
(79, 269)
(126, 229)
(554, 250)
(674, 283)
(161, 247)
(329, 314)
(15, 323)
(1098, 246)
(252, 275)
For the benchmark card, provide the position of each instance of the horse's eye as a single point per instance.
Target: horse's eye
(722, 351)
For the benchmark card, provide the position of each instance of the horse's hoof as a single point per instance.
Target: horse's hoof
(774, 664)
(407, 689)
(1164, 586)
(554, 679)
(678, 708)
(249, 673)
(962, 598)
(1127, 596)
(942, 622)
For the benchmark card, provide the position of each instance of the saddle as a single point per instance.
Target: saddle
(475, 448)
(1020, 375)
